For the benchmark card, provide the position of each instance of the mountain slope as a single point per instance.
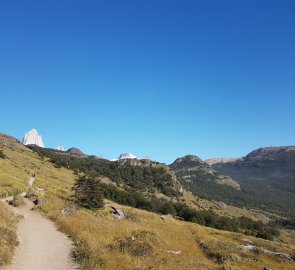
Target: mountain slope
(202, 180)
(190, 169)
(267, 177)
(141, 175)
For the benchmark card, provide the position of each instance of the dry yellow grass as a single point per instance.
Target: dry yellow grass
(95, 235)
(8, 237)
(105, 243)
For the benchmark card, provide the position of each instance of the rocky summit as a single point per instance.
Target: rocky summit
(74, 150)
(127, 156)
(33, 137)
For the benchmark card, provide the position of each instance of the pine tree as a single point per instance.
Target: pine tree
(88, 193)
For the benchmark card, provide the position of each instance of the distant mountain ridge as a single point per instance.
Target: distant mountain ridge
(267, 175)
(271, 152)
(190, 170)
(212, 161)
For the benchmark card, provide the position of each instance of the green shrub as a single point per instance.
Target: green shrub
(31, 193)
(267, 233)
(17, 200)
(2, 155)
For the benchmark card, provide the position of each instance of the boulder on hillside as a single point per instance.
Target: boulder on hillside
(116, 212)
(167, 217)
(69, 209)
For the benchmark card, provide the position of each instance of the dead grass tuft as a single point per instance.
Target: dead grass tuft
(139, 244)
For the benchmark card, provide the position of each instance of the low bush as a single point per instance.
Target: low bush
(2, 155)
(17, 200)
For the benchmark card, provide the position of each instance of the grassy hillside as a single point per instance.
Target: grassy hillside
(142, 240)
(20, 163)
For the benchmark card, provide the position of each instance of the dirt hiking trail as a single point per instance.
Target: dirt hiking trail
(42, 246)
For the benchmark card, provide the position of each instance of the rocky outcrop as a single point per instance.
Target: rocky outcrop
(127, 156)
(212, 161)
(69, 209)
(116, 212)
(280, 255)
(139, 162)
(167, 218)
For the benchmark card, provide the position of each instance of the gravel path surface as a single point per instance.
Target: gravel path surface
(42, 246)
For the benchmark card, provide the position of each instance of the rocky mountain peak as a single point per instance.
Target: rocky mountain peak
(188, 158)
(127, 156)
(268, 152)
(74, 150)
(33, 137)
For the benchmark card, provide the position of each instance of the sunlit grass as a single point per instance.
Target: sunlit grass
(8, 237)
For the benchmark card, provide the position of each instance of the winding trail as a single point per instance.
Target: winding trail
(42, 246)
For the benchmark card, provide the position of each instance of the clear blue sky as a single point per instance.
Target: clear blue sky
(157, 78)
